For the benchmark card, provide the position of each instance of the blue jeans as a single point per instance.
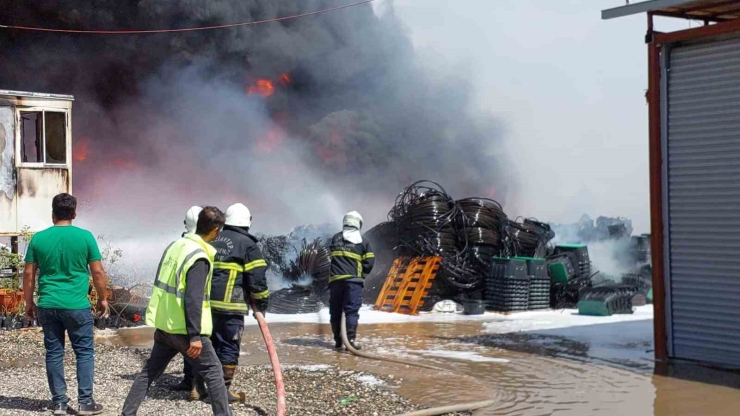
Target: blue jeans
(79, 325)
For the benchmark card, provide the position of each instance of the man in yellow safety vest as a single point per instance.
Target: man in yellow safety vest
(180, 310)
(191, 222)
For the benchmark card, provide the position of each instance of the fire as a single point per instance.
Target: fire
(263, 87)
(285, 79)
(81, 149)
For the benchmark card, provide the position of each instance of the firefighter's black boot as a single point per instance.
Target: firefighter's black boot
(229, 371)
(351, 335)
(336, 329)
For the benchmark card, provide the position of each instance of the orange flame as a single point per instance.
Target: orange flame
(81, 149)
(285, 79)
(262, 87)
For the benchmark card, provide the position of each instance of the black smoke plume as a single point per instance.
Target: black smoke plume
(302, 119)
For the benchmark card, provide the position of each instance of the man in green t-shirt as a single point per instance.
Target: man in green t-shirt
(61, 255)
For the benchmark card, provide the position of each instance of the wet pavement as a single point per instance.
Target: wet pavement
(603, 369)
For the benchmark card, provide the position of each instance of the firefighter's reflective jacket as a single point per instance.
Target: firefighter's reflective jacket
(239, 268)
(350, 261)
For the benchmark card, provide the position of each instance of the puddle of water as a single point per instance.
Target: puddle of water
(528, 373)
(141, 336)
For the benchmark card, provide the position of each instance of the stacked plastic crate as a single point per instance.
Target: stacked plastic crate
(641, 248)
(578, 255)
(506, 288)
(539, 284)
(570, 271)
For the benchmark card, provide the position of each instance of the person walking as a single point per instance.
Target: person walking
(180, 310)
(239, 275)
(62, 255)
(352, 258)
(191, 223)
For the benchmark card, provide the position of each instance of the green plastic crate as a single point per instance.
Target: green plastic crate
(572, 246)
(593, 308)
(558, 273)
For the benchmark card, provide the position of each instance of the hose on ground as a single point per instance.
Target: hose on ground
(462, 407)
(354, 351)
(279, 383)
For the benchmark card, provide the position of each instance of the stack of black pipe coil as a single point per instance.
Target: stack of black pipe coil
(425, 219)
(274, 250)
(313, 260)
(528, 238)
(483, 220)
(466, 234)
(297, 299)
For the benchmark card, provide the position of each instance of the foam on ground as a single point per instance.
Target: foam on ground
(493, 322)
(460, 355)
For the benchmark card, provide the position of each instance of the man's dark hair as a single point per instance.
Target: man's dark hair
(64, 207)
(209, 219)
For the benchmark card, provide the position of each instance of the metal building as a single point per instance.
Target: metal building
(35, 157)
(694, 129)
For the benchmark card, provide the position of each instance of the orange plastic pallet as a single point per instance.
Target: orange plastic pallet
(406, 286)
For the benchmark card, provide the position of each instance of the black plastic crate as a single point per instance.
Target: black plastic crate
(579, 257)
(506, 288)
(508, 269)
(605, 301)
(580, 250)
(641, 248)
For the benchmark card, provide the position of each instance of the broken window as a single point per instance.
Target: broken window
(56, 139)
(32, 141)
(44, 137)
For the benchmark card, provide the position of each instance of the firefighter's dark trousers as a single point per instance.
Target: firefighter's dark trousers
(345, 297)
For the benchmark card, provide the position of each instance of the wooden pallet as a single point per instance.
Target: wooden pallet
(406, 286)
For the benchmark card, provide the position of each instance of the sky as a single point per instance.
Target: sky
(568, 88)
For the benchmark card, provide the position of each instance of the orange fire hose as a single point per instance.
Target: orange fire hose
(279, 384)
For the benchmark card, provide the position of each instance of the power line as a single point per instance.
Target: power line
(189, 29)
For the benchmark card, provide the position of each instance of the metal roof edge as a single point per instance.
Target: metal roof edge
(645, 6)
(36, 95)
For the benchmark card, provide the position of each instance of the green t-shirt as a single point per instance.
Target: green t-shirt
(62, 254)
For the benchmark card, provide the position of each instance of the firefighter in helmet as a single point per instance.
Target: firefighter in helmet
(352, 259)
(239, 274)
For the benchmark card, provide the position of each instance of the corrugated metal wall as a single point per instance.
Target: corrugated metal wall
(702, 140)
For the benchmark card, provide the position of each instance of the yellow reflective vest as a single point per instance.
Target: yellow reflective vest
(166, 310)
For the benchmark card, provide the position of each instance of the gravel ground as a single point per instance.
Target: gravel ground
(310, 390)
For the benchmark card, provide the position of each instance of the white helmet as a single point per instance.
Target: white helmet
(352, 219)
(238, 215)
(191, 219)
